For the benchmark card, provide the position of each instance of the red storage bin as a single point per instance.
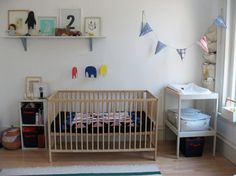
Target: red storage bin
(30, 137)
(41, 141)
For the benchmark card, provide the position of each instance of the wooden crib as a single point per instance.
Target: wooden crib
(102, 121)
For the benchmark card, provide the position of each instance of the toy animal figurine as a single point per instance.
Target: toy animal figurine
(67, 32)
(103, 70)
(12, 29)
(90, 71)
(74, 73)
(30, 21)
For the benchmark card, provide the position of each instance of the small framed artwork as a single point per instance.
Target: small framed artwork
(29, 85)
(18, 18)
(40, 90)
(70, 19)
(92, 25)
(47, 25)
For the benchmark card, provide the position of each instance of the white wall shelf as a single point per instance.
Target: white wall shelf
(25, 38)
(176, 129)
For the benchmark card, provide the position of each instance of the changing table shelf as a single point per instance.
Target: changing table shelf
(176, 129)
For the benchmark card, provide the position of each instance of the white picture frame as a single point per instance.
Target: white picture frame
(71, 18)
(18, 18)
(92, 26)
(29, 85)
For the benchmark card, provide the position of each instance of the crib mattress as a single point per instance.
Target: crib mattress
(190, 121)
(116, 122)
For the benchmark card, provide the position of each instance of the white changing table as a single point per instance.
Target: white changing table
(181, 134)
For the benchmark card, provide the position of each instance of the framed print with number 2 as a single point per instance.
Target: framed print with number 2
(70, 19)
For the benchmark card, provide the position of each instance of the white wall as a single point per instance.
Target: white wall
(130, 59)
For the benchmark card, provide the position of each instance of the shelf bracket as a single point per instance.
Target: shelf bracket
(90, 44)
(24, 43)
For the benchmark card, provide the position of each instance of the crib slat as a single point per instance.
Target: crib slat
(119, 107)
(70, 108)
(145, 138)
(60, 140)
(114, 125)
(109, 124)
(98, 125)
(135, 125)
(151, 130)
(81, 125)
(130, 124)
(103, 138)
(125, 126)
(140, 127)
(54, 126)
(86, 107)
(65, 126)
(92, 112)
(76, 123)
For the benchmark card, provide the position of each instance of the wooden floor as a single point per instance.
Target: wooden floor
(199, 166)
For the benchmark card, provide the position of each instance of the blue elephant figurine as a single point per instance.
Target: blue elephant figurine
(89, 71)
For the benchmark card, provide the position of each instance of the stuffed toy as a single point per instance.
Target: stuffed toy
(30, 21)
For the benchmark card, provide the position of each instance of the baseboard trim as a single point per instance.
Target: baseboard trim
(221, 137)
(227, 148)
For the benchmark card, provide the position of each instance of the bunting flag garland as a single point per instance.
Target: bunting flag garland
(159, 47)
(145, 29)
(203, 44)
(219, 21)
(181, 52)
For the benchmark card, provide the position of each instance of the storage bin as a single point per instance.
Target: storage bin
(30, 137)
(192, 146)
(41, 141)
(195, 121)
(28, 115)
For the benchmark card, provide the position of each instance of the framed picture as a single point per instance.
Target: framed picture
(40, 90)
(18, 18)
(92, 25)
(29, 85)
(70, 18)
(47, 25)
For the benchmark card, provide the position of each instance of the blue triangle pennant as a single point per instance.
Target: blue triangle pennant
(146, 29)
(159, 47)
(219, 21)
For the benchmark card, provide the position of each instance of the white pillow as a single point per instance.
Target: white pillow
(212, 36)
(210, 57)
(212, 28)
(212, 47)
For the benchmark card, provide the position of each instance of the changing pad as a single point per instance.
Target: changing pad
(189, 89)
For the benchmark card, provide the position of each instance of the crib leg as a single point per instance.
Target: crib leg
(155, 155)
(50, 156)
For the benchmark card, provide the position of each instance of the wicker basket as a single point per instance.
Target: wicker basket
(11, 139)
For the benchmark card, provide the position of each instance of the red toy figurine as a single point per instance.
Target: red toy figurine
(74, 73)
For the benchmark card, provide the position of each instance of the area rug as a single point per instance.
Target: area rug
(95, 170)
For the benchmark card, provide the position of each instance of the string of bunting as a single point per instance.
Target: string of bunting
(146, 28)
